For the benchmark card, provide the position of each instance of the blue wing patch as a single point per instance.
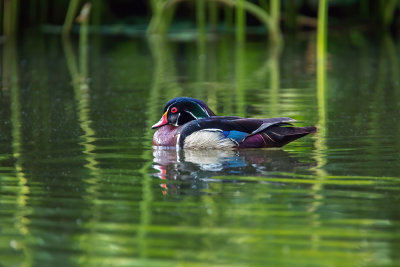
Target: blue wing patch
(235, 135)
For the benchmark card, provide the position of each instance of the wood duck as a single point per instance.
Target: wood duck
(190, 123)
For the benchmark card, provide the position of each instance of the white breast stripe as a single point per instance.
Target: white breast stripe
(177, 141)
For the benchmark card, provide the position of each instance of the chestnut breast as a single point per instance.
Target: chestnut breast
(166, 136)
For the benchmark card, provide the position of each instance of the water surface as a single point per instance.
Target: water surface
(80, 184)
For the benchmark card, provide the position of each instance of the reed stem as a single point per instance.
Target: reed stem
(240, 21)
(6, 19)
(263, 4)
(14, 15)
(388, 9)
(1, 16)
(69, 18)
(83, 19)
(321, 31)
(97, 11)
(201, 19)
(241, 7)
(321, 83)
(228, 16)
(213, 11)
(275, 20)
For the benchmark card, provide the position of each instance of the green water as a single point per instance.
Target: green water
(80, 184)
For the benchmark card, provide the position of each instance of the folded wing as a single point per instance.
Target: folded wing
(247, 132)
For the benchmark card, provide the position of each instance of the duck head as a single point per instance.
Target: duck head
(181, 110)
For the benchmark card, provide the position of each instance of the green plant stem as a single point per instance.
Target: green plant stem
(321, 84)
(167, 19)
(274, 84)
(322, 27)
(228, 16)
(83, 40)
(275, 20)
(160, 19)
(9, 16)
(253, 9)
(1, 16)
(69, 18)
(291, 15)
(201, 18)
(388, 9)
(240, 21)
(213, 11)
(240, 78)
(263, 4)
(97, 10)
(14, 15)
(6, 19)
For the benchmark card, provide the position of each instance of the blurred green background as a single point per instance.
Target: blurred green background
(137, 17)
(80, 184)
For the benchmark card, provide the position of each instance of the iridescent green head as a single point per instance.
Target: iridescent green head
(181, 110)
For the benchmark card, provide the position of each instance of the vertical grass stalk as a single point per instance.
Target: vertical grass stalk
(388, 8)
(321, 32)
(10, 17)
(292, 11)
(320, 144)
(167, 18)
(240, 79)
(14, 15)
(156, 18)
(275, 20)
(321, 60)
(201, 19)
(97, 11)
(1, 16)
(228, 16)
(213, 11)
(83, 40)
(69, 18)
(274, 84)
(263, 4)
(240, 21)
(321, 84)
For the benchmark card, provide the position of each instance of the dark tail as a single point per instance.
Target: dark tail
(277, 136)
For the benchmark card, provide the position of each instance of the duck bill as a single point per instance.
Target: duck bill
(161, 122)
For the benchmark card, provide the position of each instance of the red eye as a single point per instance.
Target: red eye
(174, 110)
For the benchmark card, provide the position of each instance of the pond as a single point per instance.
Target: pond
(80, 184)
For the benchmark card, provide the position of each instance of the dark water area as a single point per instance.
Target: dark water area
(81, 185)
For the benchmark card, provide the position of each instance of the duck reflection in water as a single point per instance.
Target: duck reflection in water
(194, 169)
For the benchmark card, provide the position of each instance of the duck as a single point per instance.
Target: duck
(189, 123)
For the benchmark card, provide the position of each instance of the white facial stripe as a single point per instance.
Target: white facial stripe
(205, 110)
(192, 114)
(197, 104)
(177, 120)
